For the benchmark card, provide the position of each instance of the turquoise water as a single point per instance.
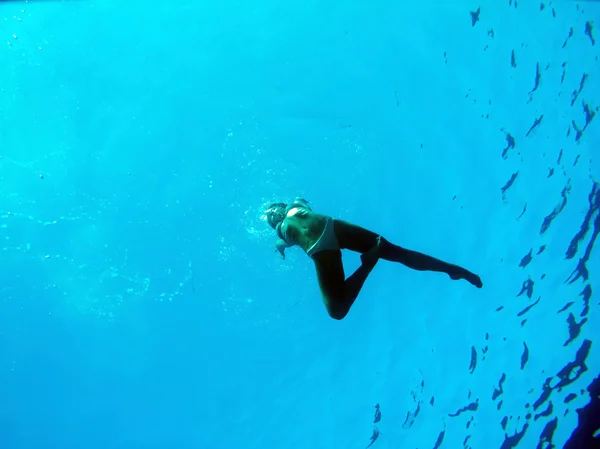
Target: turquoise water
(142, 304)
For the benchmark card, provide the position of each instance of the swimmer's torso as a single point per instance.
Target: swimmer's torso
(303, 227)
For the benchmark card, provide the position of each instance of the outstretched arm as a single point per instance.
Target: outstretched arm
(302, 202)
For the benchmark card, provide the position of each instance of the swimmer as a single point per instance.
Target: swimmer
(323, 237)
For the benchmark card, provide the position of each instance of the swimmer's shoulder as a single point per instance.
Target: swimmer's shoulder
(299, 207)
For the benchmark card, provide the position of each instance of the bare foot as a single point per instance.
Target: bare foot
(461, 273)
(372, 256)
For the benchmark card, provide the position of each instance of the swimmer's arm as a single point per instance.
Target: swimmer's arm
(280, 247)
(302, 202)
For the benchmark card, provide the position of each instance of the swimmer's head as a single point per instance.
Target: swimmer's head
(275, 214)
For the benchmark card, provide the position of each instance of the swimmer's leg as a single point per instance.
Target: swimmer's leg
(355, 238)
(423, 262)
(338, 293)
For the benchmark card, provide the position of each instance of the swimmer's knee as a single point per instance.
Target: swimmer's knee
(337, 313)
(338, 316)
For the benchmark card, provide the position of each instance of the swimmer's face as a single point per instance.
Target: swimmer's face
(275, 214)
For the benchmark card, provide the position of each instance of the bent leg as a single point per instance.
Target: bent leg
(338, 293)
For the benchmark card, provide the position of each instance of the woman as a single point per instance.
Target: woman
(323, 238)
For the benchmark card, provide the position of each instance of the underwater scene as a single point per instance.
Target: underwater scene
(299, 224)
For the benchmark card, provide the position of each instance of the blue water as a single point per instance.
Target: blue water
(142, 304)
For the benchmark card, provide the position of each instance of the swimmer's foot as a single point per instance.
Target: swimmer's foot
(372, 256)
(460, 273)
